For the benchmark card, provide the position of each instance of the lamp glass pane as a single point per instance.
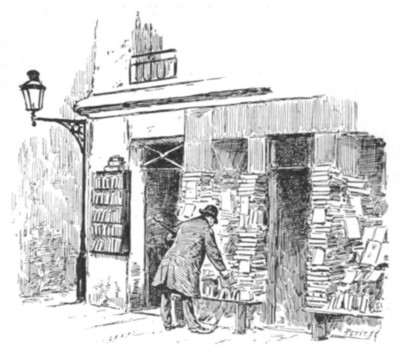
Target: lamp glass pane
(34, 99)
(41, 98)
(27, 99)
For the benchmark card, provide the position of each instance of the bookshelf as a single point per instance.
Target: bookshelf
(110, 225)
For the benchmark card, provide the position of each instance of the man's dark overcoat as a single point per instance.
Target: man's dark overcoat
(180, 268)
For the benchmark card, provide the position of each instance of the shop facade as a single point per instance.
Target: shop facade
(293, 178)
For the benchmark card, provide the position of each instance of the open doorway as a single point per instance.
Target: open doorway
(289, 162)
(162, 161)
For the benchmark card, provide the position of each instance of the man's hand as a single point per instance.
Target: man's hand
(170, 237)
(224, 274)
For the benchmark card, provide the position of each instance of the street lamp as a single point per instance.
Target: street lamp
(33, 92)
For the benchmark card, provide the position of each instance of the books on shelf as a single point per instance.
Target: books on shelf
(107, 215)
(100, 229)
(109, 208)
(109, 181)
(108, 197)
(111, 245)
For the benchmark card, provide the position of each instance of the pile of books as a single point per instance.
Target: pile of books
(197, 192)
(225, 192)
(239, 288)
(241, 231)
(48, 258)
(243, 198)
(115, 163)
(343, 239)
(250, 248)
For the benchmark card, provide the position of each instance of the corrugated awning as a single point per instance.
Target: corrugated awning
(168, 97)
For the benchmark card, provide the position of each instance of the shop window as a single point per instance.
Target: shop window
(161, 153)
(293, 151)
(229, 156)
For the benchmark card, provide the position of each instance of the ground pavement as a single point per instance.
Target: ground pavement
(54, 322)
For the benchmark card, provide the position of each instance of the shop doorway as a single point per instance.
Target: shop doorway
(289, 160)
(162, 161)
(291, 244)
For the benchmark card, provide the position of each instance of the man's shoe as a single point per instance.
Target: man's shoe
(201, 330)
(169, 327)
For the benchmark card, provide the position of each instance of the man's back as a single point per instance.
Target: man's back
(190, 238)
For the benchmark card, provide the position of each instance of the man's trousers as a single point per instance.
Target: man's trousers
(170, 310)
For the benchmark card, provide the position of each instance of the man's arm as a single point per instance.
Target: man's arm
(214, 253)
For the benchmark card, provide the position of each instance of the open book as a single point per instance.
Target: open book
(228, 281)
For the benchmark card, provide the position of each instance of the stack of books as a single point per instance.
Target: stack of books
(344, 243)
(357, 186)
(48, 256)
(249, 258)
(241, 231)
(250, 247)
(115, 163)
(197, 192)
(238, 288)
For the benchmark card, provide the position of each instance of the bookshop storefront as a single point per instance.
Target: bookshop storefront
(299, 190)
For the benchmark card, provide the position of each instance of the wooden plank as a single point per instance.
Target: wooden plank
(319, 328)
(297, 115)
(240, 319)
(343, 313)
(271, 247)
(325, 148)
(256, 155)
(198, 140)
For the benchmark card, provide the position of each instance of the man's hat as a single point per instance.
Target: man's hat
(212, 211)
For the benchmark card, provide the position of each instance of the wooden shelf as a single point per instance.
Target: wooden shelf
(110, 172)
(110, 223)
(117, 190)
(104, 205)
(343, 312)
(107, 236)
(109, 253)
(249, 302)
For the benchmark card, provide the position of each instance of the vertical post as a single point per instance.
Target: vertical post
(146, 285)
(240, 318)
(319, 327)
(81, 261)
(272, 249)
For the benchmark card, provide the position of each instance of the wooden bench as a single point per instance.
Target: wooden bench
(240, 312)
(321, 318)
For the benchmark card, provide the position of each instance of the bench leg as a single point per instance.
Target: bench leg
(319, 327)
(240, 319)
